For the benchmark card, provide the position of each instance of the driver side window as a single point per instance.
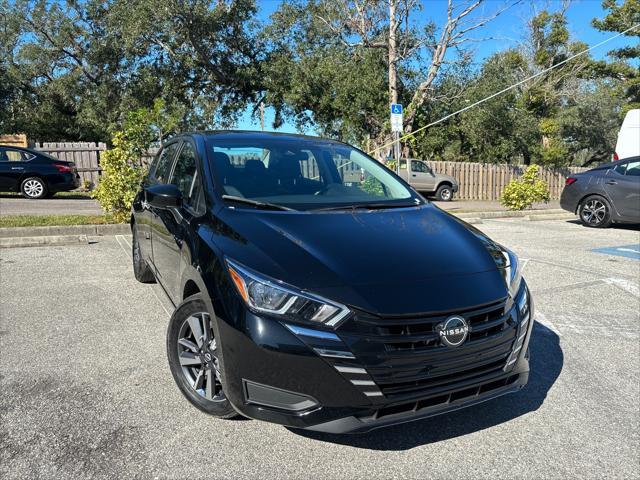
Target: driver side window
(419, 167)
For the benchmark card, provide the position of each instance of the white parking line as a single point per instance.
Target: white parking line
(625, 285)
(121, 237)
(542, 318)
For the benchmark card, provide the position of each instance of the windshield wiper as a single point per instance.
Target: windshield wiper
(255, 203)
(367, 206)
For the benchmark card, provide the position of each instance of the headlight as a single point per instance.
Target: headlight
(511, 271)
(265, 295)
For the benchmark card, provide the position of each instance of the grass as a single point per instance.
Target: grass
(52, 220)
(71, 194)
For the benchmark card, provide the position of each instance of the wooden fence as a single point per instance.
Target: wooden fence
(86, 156)
(477, 181)
(487, 181)
(18, 140)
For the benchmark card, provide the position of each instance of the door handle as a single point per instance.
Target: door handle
(611, 182)
(413, 175)
(17, 168)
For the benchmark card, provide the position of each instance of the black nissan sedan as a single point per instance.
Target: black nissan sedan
(35, 174)
(316, 289)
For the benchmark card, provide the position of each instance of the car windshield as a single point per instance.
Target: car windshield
(302, 173)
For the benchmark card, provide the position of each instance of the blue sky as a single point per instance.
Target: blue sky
(507, 29)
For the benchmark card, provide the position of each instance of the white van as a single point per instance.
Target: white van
(628, 144)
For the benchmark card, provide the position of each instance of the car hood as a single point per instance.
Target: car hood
(393, 261)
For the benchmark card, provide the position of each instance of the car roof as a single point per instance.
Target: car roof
(15, 147)
(255, 135)
(607, 166)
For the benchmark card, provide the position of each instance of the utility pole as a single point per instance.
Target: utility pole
(392, 61)
(262, 116)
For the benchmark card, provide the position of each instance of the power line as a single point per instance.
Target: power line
(404, 137)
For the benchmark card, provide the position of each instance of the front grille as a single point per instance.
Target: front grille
(445, 399)
(405, 357)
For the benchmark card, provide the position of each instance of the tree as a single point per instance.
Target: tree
(380, 34)
(621, 17)
(76, 67)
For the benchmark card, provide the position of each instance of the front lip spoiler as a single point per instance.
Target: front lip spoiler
(352, 424)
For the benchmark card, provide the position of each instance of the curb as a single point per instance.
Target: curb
(508, 213)
(87, 230)
(17, 242)
(551, 216)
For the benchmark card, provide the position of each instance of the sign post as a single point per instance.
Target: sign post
(396, 128)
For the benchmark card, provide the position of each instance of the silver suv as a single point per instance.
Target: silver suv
(422, 178)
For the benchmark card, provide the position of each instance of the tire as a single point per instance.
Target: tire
(33, 188)
(141, 269)
(444, 193)
(194, 363)
(595, 212)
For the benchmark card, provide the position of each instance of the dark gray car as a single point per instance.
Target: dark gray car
(605, 194)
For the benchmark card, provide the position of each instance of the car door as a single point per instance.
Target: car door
(12, 166)
(145, 216)
(171, 225)
(421, 177)
(622, 185)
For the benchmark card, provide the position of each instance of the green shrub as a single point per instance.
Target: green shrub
(522, 193)
(122, 170)
(372, 186)
(121, 177)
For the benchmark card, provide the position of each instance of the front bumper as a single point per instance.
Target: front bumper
(281, 374)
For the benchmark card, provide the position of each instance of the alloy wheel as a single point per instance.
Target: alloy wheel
(33, 188)
(594, 212)
(198, 356)
(445, 194)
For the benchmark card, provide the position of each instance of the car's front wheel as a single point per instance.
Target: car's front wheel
(444, 193)
(193, 352)
(595, 211)
(33, 188)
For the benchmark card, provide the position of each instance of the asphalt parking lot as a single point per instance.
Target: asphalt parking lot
(86, 390)
(16, 205)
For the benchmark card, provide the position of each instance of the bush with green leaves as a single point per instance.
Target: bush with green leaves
(122, 169)
(524, 192)
(121, 177)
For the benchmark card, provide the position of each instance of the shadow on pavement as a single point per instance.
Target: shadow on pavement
(546, 364)
(634, 227)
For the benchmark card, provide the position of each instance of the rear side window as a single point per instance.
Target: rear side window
(10, 155)
(164, 162)
(633, 169)
(620, 168)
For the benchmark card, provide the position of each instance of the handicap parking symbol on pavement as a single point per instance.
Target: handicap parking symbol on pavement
(629, 251)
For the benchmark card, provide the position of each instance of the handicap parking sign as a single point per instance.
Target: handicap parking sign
(396, 109)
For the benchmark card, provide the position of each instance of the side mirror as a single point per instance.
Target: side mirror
(164, 196)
